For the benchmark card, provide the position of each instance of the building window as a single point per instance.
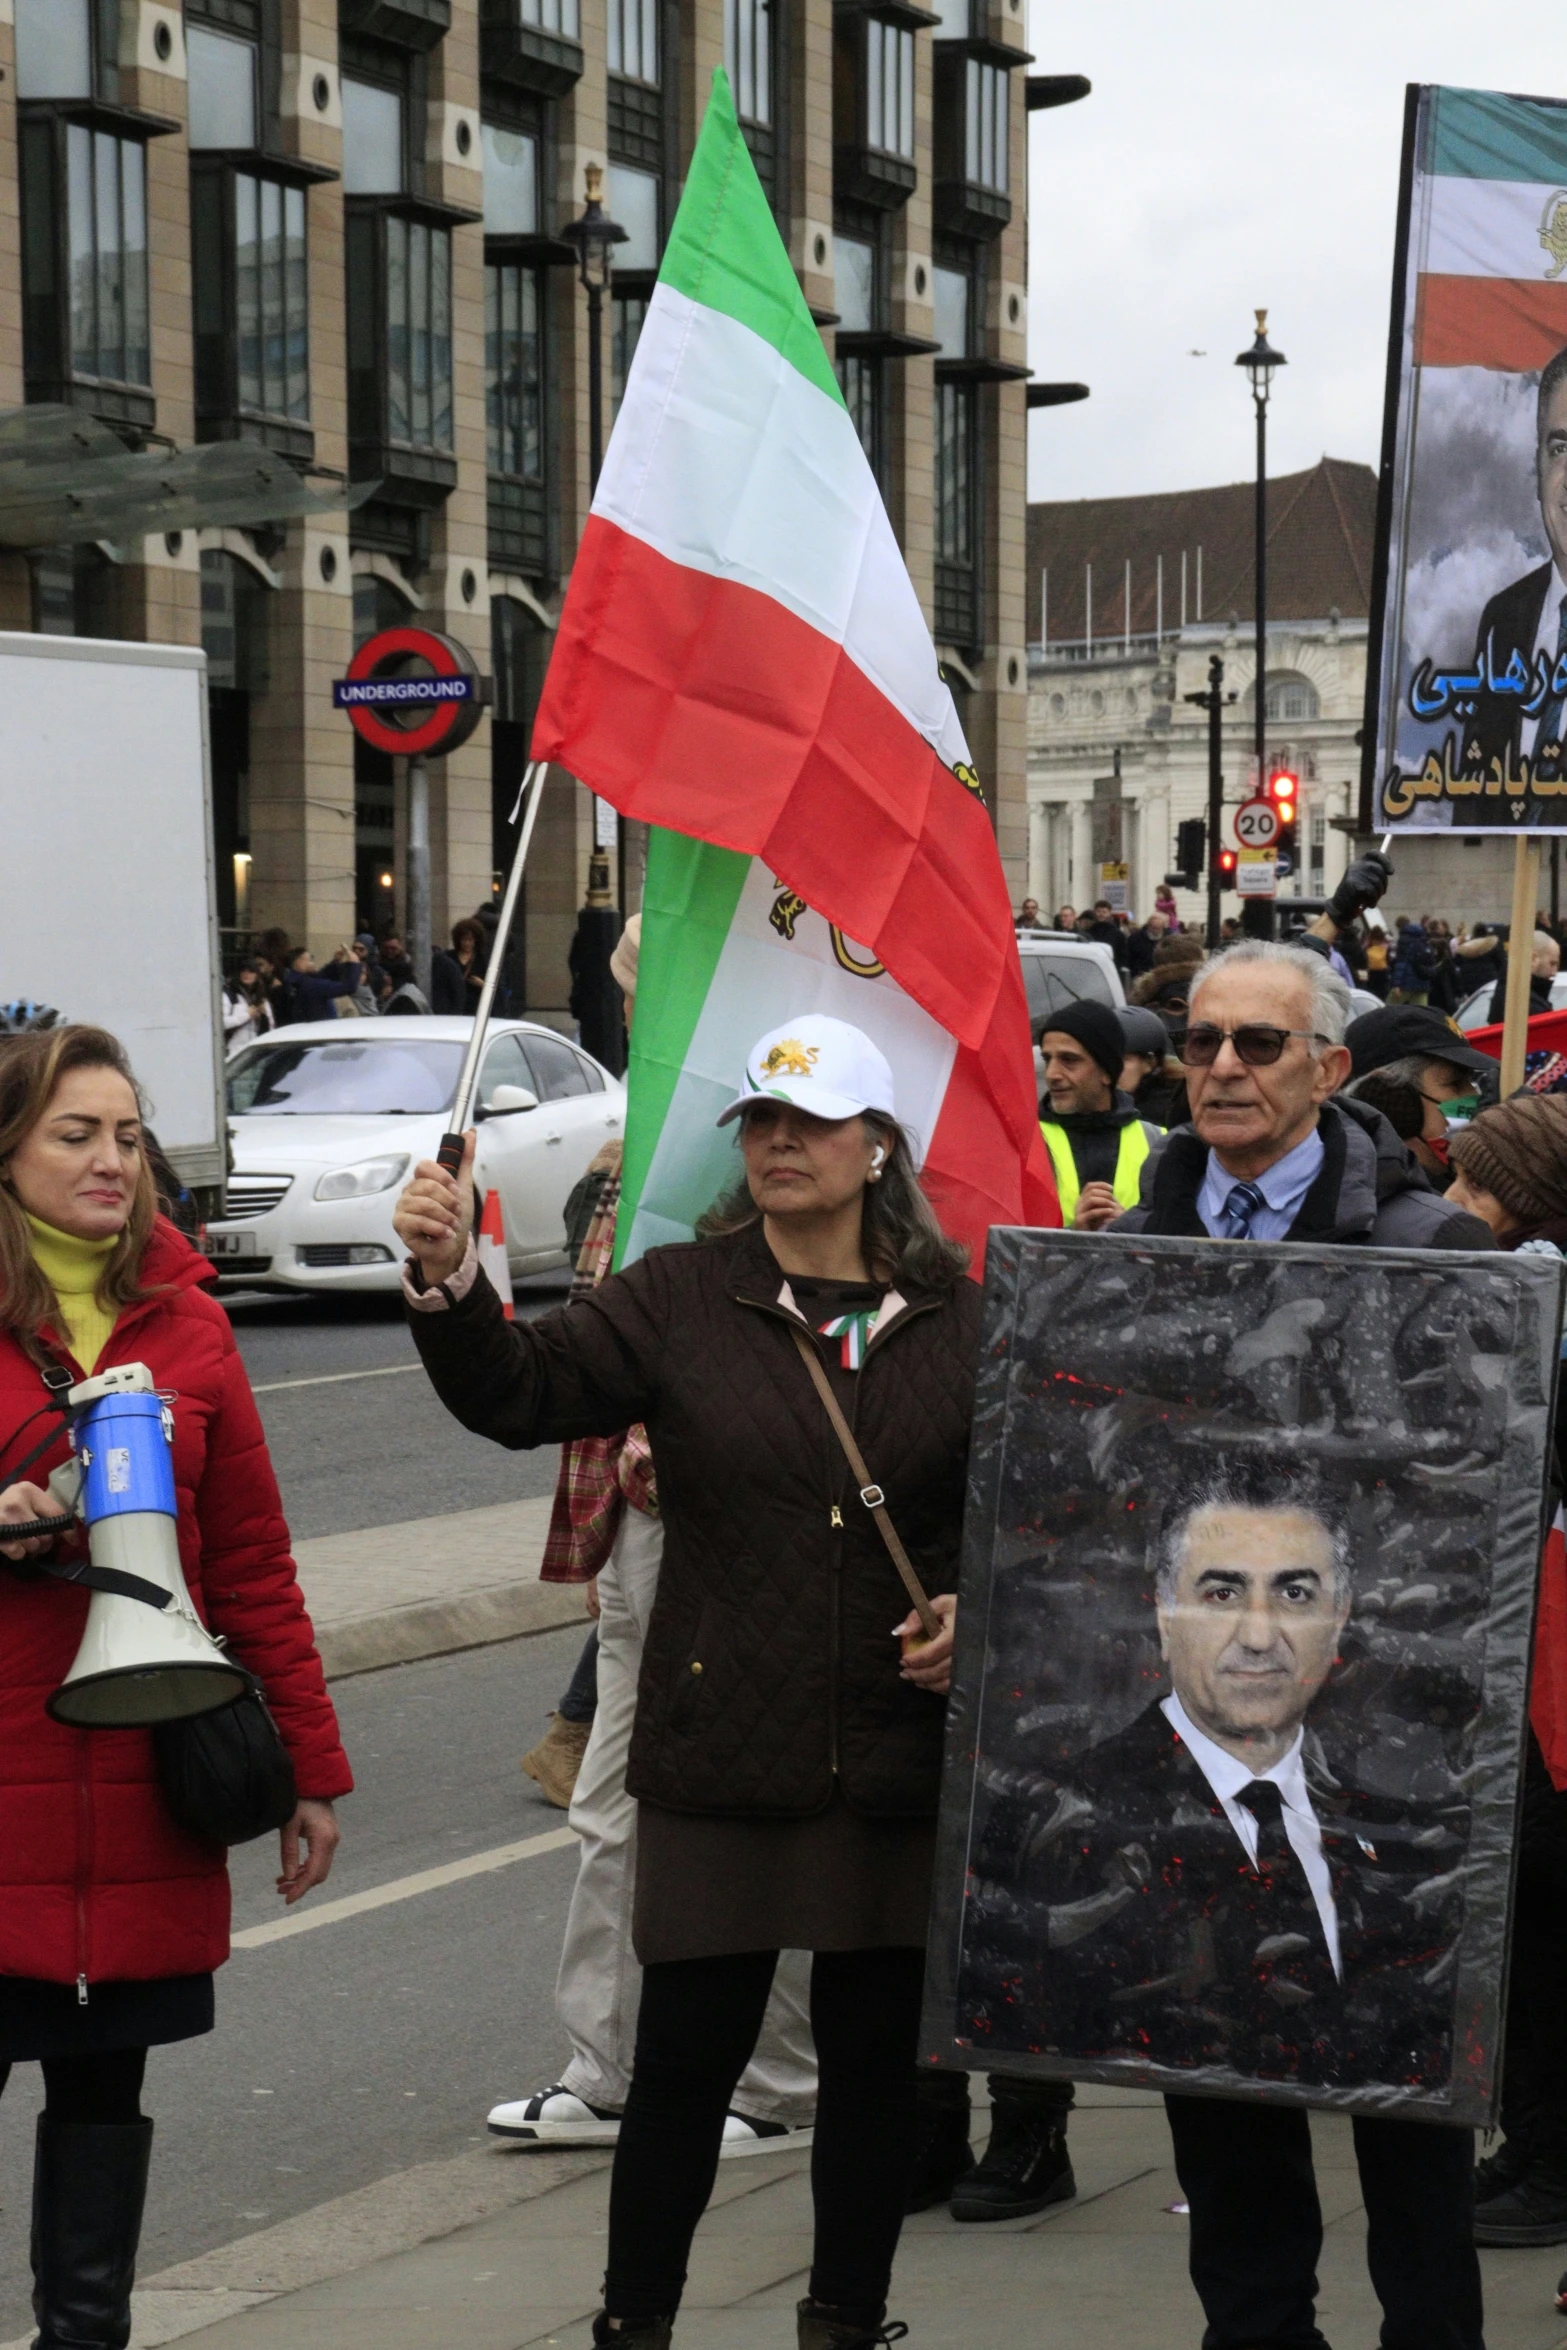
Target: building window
(54, 49)
(633, 201)
(889, 88)
(511, 182)
(373, 162)
(854, 283)
(633, 40)
(513, 370)
(418, 334)
(630, 315)
(552, 16)
(1289, 695)
(985, 125)
(956, 485)
(106, 214)
(950, 311)
(271, 306)
(863, 384)
(222, 90)
(748, 57)
(514, 384)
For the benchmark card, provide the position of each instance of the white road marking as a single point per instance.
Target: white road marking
(335, 1378)
(353, 1905)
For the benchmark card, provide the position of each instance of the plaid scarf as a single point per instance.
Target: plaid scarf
(598, 1475)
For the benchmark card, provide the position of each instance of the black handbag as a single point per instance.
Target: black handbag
(226, 1775)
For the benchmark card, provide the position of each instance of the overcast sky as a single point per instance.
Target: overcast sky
(1231, 154)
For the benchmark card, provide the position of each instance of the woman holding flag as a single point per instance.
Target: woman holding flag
(787, 1750)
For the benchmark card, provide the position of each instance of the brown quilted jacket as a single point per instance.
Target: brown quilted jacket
(769, 1664)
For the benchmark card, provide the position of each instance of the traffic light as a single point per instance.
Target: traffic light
(1284, 792)
(1226, 868)
(1191, 838)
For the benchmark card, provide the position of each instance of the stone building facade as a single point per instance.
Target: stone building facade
(334, 226)
(1129, 600)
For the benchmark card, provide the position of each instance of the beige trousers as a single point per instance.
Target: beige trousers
(600, 1986)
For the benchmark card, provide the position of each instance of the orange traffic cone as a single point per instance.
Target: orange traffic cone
(492, 1250)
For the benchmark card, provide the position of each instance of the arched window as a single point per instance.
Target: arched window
(1289, 696)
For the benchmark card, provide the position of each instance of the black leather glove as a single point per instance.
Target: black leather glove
(1365, 884)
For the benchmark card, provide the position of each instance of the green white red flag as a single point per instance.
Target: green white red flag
(742, 660)
(1492, 248)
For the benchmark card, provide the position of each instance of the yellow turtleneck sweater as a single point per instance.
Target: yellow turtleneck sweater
(73, 1269)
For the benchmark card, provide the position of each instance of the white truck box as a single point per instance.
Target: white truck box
(107, 908)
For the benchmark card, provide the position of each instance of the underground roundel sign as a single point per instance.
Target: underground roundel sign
(412, 690)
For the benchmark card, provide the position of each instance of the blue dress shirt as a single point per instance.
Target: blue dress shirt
(1283, 1185)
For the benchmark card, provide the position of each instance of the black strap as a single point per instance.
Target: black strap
(83, 1572)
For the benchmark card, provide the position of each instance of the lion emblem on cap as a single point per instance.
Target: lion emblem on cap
(790, 1058)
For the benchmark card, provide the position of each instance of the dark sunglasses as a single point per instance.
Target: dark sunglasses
(1258, 1045)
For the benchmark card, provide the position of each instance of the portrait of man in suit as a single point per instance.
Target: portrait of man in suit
(1527, 620)
(1201, 1889)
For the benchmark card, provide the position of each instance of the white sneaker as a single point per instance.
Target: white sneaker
(555, 2117)
(743, 2136)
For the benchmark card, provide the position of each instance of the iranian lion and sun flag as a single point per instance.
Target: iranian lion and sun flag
(743, 663)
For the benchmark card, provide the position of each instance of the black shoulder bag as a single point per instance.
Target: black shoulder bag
(226, 1775)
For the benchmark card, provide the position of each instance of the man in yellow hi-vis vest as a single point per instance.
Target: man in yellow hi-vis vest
(1096, 1140)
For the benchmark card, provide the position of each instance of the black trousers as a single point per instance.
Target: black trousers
(1256, 2226)
(1534, 2056)
(697, 2029)
(101, 2088)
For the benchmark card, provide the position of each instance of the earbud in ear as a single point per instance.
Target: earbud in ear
(876, 1162)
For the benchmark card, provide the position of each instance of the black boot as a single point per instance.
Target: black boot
(942, 2154)
(1497, 2172)
(1026, 2164)
(656, 2334)
(822, 2327)
(89, 2186)
(1532, 2212)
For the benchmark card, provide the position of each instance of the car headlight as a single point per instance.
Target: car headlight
(370, 1175)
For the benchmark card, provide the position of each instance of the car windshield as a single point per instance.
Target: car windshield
(1054, 980)
(383, 1077)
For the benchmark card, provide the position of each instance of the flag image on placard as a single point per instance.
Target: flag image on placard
(742, 659)
(1492, 286)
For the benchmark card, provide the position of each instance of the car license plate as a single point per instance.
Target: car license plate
(229, 1244)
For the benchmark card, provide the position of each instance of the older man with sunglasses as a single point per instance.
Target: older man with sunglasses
(1272, 1154)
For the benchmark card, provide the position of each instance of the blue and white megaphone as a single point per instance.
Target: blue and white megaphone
(145, 1655)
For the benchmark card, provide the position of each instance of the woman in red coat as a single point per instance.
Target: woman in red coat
(112, 1919)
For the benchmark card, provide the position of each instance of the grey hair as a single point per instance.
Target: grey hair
(1228, 1493)
(1330, 998)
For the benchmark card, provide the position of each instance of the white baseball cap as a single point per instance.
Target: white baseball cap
(820, 1065)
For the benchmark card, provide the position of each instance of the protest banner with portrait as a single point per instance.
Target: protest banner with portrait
(1467, 678)
(1250, 1561)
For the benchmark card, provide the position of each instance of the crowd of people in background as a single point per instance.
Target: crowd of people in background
(276, 984)
(1414, 959)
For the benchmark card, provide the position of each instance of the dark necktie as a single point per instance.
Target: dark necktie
(1244, 1202)
(1548, 733)
(1291, 1969)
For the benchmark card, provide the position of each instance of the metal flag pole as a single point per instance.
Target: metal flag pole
(449, 1155)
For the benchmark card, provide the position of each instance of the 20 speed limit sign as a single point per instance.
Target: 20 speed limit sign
(1256, 824)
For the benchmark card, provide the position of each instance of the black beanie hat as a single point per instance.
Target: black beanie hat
(1096, 1028)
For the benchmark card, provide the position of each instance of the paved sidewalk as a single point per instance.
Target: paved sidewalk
(1106, 2272)
(389, 1594)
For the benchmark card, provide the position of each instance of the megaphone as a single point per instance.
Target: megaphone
(145, 1655)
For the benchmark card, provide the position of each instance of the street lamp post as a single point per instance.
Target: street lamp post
(1259, 362)
(595, 236)
(594, 988)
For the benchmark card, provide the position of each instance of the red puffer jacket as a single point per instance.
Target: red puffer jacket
(97, 1884)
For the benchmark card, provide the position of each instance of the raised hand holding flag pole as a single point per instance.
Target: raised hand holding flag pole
(742, 660)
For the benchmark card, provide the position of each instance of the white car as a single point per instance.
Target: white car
(1475, 1010)
(1061, 968)
(328, 1118)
